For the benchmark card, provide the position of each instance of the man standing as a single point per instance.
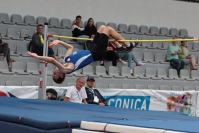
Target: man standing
(77, 93)
(93, 95)
(37, 42)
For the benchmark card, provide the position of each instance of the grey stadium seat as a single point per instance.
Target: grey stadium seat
(143, 29)
(153, 30)
(115, 84)
(165, 87)
(4, 68)
(114, 71)
(162, 73)
(151, 72)
(17, 19)
(88, 70)
(133, 29)
(101, 71)
(113, 25)
(19, 68)
(183, 33)
(139, 72)
(41, 20)
(195, 74)
(4, 18)
(3, 32)
(160, 57)
(173, 74)
(14, 33)
(13, 83)
(98, 24)
(32, 68)
(173, 32)
(66, 23)
(54, 22)
(148, 57)
(189, 88)
(184, 74)
(28, 83)
(22, 48)
(125, 71)
(123, 28)
(29, 20)
(163, 31)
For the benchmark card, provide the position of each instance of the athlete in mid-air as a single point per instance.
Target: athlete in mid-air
(75, 60)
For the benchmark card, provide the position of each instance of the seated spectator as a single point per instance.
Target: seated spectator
(127, 55)
(77, 30)
(51, 94)
(93, 95)
(172, 56)
(37, 42)
(77, 93)
(90, 29)
(111, 55)
(4, 48)
(186, 56)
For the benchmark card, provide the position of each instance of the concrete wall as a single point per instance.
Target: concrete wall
(167, 13)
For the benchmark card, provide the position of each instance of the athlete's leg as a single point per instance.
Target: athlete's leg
(112, 33)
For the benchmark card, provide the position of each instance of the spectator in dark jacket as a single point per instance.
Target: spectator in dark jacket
(37, 42)
(93, 95)
(90, 29)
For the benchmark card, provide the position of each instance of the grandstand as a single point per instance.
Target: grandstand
(144, 20)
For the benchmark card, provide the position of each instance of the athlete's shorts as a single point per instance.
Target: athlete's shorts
(100, 45)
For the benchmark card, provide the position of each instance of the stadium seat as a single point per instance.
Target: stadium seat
(115, 84)
(140, 86)
(102, 83)
(61, 52)
(139, 72)
(17, 19)
(173, 74)
(88, 70)
(153, 30)
(98, 24)
(13, 83)
(165, 87)
(184, 74)
(113, 25)
(22, 47)
(173, 32)
(19, 68)
(133, 29)
(30, 20)
(28, 83)
(32, 68)
(4, 18)
(4, 68)
(125, 71)
(162, 73)
(13, 33)
(41, 20)
(189, 88)
(114, 71)
(163, 31)
(101, 71)
(195, 46)
(66, 23)
(148, 57)
(183, 33)
(195, 74)
(177, 88)
(153, 87)
(123, 28)
(143, 29)
(13, 47)
(54, 22)
(3, 32)
(151, 72)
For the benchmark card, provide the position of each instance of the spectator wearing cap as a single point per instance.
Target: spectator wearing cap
(93, 95)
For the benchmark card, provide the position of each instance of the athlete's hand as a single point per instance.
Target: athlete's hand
(54, 43)
(32, 54)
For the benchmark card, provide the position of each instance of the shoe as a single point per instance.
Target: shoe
(140, 63)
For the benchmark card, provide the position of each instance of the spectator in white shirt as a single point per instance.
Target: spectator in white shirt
(77, 93)
(77, 29)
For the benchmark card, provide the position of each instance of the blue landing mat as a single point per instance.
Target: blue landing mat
(54, 116)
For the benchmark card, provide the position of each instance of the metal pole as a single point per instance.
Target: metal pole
(43, 80)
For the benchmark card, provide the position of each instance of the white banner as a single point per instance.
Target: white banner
(160, 100)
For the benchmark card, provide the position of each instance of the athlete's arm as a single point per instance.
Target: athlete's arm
(61, 67)
(66, 45)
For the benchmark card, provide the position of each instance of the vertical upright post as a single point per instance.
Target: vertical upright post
(43, 81)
